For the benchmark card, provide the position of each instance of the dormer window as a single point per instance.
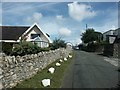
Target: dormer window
(34, 36)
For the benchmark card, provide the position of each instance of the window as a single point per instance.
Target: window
(34, 36)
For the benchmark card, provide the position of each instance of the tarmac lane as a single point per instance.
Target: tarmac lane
(88, 70)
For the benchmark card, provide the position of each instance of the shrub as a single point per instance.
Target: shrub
(45, 49)
(25, 48)
(92, 47)
(17, 50)
(58, 43)
(7, 48)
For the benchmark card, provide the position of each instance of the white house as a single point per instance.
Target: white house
(33, 33)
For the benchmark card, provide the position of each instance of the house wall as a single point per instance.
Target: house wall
(13, 69)
(111, 32)
(35, 30)
(117, 32)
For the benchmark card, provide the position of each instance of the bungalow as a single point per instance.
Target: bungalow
(14, 34)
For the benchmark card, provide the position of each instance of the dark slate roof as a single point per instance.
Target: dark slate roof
(12, 32)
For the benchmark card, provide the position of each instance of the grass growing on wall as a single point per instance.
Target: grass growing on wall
(56, 78)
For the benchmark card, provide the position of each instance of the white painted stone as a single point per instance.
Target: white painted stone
(61, 60)
(57, 64)
(65, 59)
(51, 70)
(46, 82)
(70, 56)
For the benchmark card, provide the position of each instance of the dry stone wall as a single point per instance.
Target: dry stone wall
(13, 69)
(116, 51)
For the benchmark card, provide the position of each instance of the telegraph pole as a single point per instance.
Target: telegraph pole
(86, 26)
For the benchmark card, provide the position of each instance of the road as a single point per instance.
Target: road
(89, 70)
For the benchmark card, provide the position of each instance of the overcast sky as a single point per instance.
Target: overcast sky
(62, 19)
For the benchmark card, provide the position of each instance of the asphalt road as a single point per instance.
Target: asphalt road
(89, 70)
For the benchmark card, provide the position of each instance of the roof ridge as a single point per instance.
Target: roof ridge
(14, 26)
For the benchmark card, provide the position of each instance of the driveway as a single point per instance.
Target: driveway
(89, 70)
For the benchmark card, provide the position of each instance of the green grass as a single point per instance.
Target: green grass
(56, 78)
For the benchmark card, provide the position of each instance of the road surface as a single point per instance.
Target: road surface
(89, 70)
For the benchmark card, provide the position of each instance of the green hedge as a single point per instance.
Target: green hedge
(22, 48)
(7, 48)
(57, 43)
(91, 47)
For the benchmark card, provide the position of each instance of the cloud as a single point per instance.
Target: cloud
(65, 32)
(82, 31)
(113, 27)
(59, 17)
(75, 41)
(78, 40)
(80, 12)
(50, 28)
(35, 18)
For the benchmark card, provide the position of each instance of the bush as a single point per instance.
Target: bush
(25, 48)
(91, 47)
(7, 48)
(45, 49)
(57, 43)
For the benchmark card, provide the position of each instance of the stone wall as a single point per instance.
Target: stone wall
(13, 69)
(108, 49)
(116, 51)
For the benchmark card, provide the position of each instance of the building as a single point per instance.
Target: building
(113, 46)
(111, 36)
(107, 33)
(13, 34)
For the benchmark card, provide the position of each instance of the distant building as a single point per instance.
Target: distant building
(13, 34)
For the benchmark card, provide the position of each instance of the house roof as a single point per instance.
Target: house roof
(108, 31)
(12, 32)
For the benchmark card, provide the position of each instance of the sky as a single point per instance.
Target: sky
(65, 20)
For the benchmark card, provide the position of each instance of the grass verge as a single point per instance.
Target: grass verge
(56, 78)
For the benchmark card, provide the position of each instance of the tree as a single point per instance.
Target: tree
(91, 35)
(57, 43)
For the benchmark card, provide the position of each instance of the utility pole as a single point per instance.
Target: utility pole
(86, 26)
